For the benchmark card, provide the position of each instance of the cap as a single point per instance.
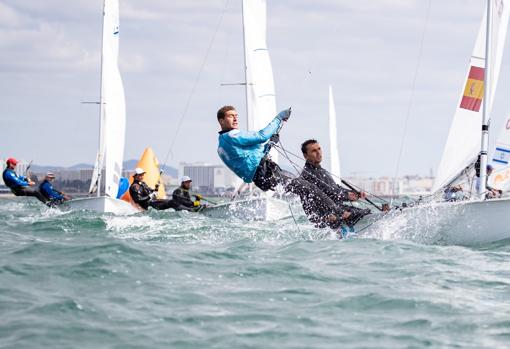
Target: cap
(139, 171)
(185, 179)
(50, 175)
(11, 161)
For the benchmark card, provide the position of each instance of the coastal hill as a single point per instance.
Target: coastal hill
(128, 165)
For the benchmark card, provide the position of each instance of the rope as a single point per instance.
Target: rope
(301, 168)
(197, 79)
(293, 218)
(411, 97)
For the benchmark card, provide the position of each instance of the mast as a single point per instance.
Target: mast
(101, 111)
(245, 68)
(486, 103)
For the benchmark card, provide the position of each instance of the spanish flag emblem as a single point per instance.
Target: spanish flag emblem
(473, 92)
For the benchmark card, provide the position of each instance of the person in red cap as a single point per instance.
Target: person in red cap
(19, 185)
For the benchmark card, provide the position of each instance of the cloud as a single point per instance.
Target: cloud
(136, 11)
(10, 18)
(368, 51)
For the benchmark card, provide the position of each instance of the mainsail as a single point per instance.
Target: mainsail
(113, 106)
(464, 142)
(260, 91)
(333, 139)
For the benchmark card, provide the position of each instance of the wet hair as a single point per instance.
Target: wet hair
(306, 143)
(223, 110)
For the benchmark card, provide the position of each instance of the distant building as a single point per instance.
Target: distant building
(207, 178)
(388, 186)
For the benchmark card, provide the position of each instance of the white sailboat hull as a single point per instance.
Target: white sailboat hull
(458, 223)
(102, 204)
(256, 209)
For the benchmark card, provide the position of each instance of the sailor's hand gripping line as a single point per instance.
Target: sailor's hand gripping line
(275, 138)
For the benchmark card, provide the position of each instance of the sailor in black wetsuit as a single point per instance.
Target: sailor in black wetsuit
(145, 196)
(182, 196)
(315, 174)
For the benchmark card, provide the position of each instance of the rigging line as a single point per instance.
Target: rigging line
(294, 218)
(331, 174)
(411, 97)
(299, 169)
(195, 83)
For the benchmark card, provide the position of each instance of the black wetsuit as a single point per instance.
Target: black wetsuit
(317, 205)
(321, 178)
(141, 194)
(183, 200)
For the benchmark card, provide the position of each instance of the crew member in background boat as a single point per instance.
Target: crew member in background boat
(53, 196)
(145, 196)
(19, 185)
(454, 193)
(245, 153)
(490, 193)
(315, 174)
(182, 196)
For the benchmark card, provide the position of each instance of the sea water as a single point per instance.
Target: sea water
(168, 280)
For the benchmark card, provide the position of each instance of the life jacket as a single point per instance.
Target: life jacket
(12, 180)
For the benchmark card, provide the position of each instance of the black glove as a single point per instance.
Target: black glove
(284, 115)
(275, 138)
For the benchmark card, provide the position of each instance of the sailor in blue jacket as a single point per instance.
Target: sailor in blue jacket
(53, 196)
(19, 185)
(245, 153)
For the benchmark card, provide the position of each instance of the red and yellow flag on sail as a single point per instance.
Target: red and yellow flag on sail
(473, 92)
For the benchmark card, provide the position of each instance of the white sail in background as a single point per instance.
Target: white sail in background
(260, 92)
(464, 141)
(333, 139)
(501, 159)
(95, 173)
(113, 106)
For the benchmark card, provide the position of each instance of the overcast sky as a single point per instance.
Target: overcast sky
(368, 50)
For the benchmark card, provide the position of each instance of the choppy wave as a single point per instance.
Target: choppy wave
(168, 280)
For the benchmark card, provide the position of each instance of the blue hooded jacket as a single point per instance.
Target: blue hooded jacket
(242, 151)
(49, 192)
(12, 180)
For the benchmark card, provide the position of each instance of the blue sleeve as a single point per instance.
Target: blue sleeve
(244, 138)
(20, 181)
(44, 189)
(47, 189)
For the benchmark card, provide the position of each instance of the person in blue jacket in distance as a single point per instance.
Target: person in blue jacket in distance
(53, 196)
(246, 154)
(19, 185)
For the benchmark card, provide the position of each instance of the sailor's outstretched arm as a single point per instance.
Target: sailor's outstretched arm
(244, 138)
